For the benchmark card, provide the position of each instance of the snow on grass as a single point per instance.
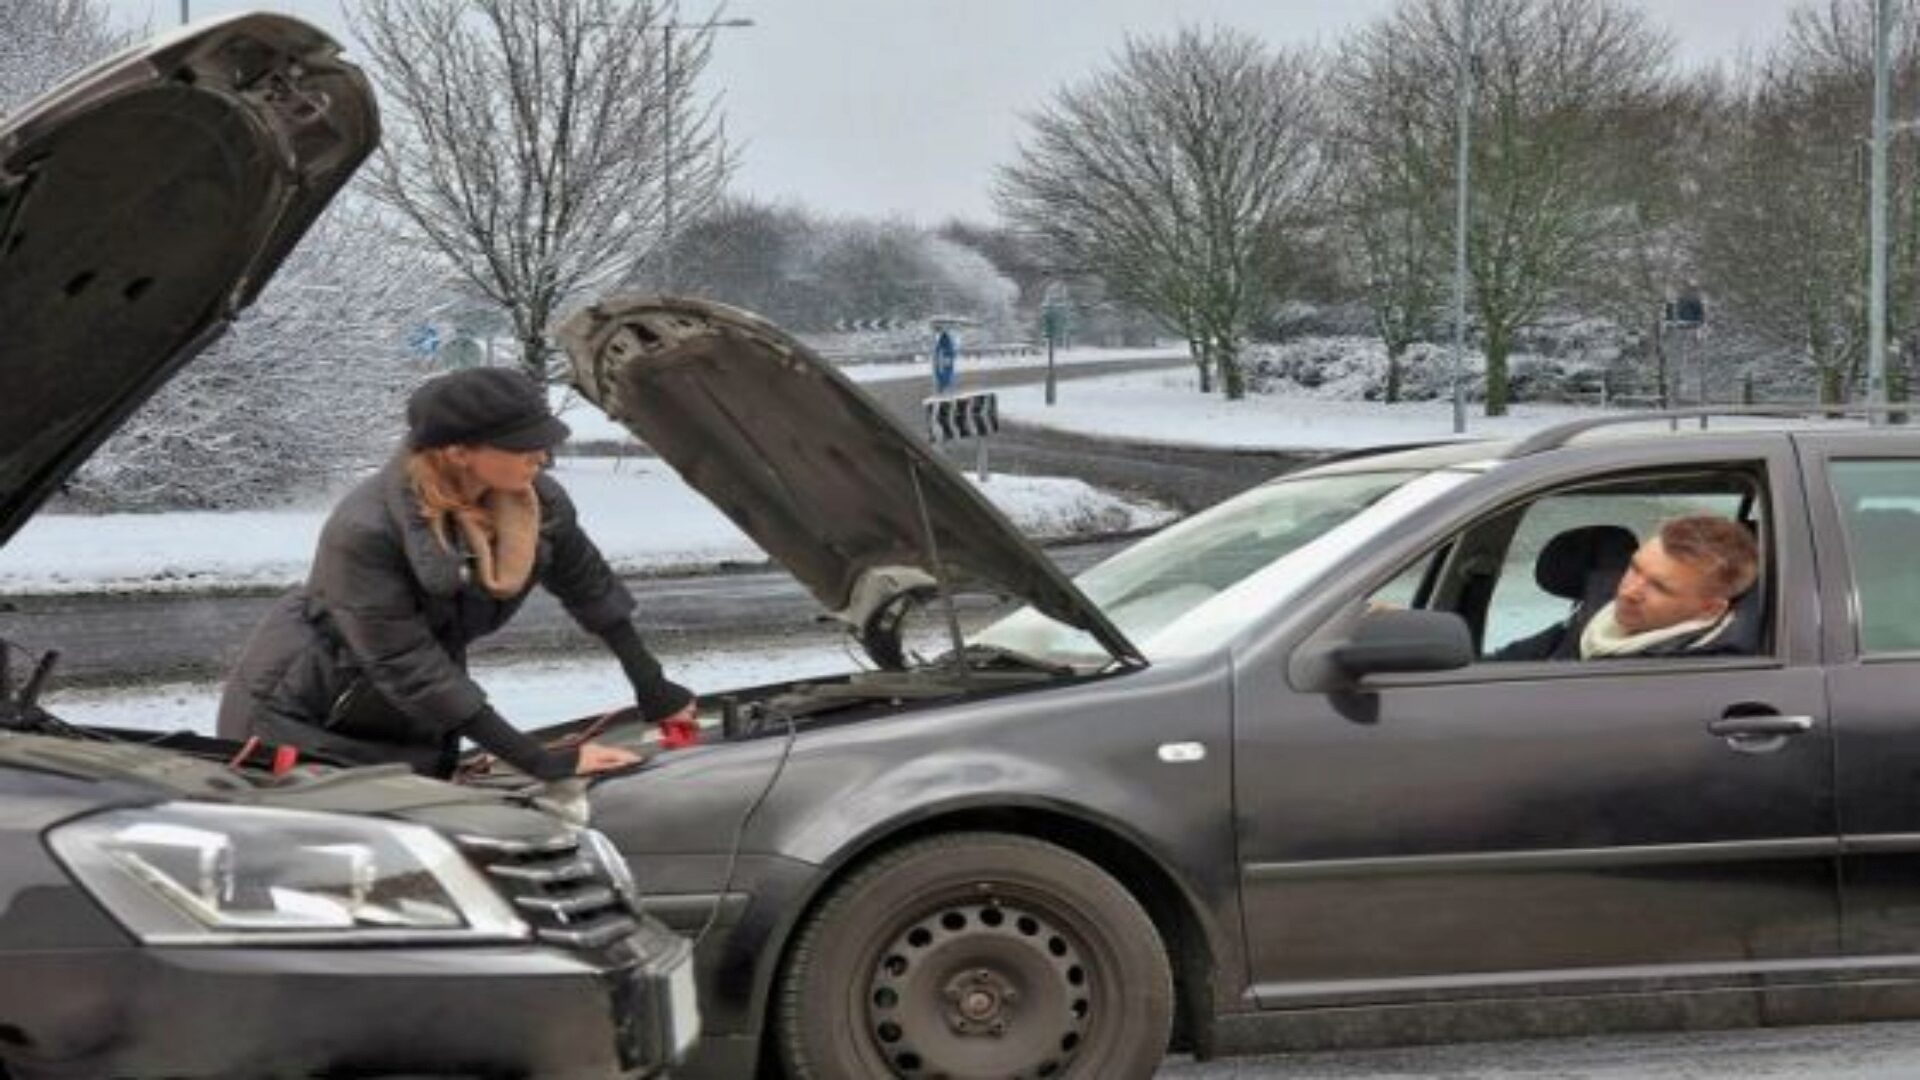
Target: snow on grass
(1165, 407)
(643, 517)
(530, 693)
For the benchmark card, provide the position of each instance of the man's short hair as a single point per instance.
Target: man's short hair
(1721, 549)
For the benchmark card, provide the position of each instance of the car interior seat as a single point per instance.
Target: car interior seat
(1584, 565)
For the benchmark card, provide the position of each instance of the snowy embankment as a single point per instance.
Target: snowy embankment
(1166, 408)
(644, 518)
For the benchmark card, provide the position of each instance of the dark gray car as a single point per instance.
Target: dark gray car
(179, 906)
(1254, 782)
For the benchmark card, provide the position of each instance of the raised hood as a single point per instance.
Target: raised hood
(848, 500)
(143, 205)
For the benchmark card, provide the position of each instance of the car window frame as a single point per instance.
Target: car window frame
(1793, 630)
(1841, 616)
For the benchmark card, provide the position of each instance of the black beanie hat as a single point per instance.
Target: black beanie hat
(499, 407)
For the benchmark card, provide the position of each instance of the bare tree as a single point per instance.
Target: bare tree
(44, 41)
(527, 140)
(1173, 177)
(1659, 168)
(1391, 188)
(1554, 79)
(304, 391)
(1785, 229)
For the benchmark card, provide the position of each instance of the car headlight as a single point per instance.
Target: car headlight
(207, 874)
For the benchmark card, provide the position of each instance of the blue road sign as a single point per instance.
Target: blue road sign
(945, 352)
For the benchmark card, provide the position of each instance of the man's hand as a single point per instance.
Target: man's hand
(682, 729)
(599, 757)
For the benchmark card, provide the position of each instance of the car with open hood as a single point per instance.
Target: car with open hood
(1266, 778)
(178, 905)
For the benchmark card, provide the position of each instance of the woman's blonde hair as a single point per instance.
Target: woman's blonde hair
(436, 480)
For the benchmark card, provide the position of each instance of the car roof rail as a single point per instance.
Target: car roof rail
(1375, 451)
(1559, 435)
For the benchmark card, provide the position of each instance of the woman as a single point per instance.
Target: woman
(367, 661)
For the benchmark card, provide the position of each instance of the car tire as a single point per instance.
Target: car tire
(976, 955)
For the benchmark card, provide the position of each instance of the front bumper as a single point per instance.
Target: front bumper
(624, 1011)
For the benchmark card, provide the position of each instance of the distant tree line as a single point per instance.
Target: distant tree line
(1210, 179)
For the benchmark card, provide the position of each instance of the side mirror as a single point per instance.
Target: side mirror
(1386, 642)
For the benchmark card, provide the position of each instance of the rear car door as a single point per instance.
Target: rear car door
(1865, 501)
(1574, 824)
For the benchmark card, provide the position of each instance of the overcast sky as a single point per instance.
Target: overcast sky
(905, 107)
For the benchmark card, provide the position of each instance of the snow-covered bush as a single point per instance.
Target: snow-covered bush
(1355, 369)
(305, 390)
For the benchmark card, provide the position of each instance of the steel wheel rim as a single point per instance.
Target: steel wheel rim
(979, 987)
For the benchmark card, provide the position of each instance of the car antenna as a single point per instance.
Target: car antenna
(939, 571)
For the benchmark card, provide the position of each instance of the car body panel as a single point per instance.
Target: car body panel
(1876, 719)
(846, 790)
(854, 505)
(1515, 820)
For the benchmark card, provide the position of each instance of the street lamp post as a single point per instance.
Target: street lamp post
(667, 222)
(1463, 91)
(1877, 216)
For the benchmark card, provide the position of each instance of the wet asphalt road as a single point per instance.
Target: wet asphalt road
(1888, 1051)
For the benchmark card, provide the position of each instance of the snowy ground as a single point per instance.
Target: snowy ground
(529, 693)
(1165, 407)
(638, 510)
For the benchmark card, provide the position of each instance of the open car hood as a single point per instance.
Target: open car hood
(142, 205)
(852, 503)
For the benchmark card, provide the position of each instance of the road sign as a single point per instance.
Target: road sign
(964, 416)
(946, 353)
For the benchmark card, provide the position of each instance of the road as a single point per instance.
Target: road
(1187, 479)
(1841, 1052)
(108, 639)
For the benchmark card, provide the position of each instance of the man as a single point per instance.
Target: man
(1675, 599)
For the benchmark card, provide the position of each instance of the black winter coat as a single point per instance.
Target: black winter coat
(367, 661)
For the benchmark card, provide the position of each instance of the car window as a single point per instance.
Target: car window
(1519, 606)
(1201, 565)
(1486, 572)
(1880, 510)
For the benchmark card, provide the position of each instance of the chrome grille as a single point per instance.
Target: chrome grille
(558, 887)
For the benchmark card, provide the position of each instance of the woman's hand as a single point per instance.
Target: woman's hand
(599, 757)
(682, 729)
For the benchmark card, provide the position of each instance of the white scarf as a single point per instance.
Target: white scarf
(1604, 636)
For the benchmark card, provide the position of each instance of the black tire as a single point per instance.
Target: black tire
(976, 955)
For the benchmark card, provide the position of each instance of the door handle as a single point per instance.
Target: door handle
(1766, 726)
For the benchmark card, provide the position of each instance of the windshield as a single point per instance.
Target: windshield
(1148, 588)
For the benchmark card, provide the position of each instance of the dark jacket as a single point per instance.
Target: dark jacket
(367, 660)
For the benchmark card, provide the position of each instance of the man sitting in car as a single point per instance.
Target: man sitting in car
(1676, 597)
